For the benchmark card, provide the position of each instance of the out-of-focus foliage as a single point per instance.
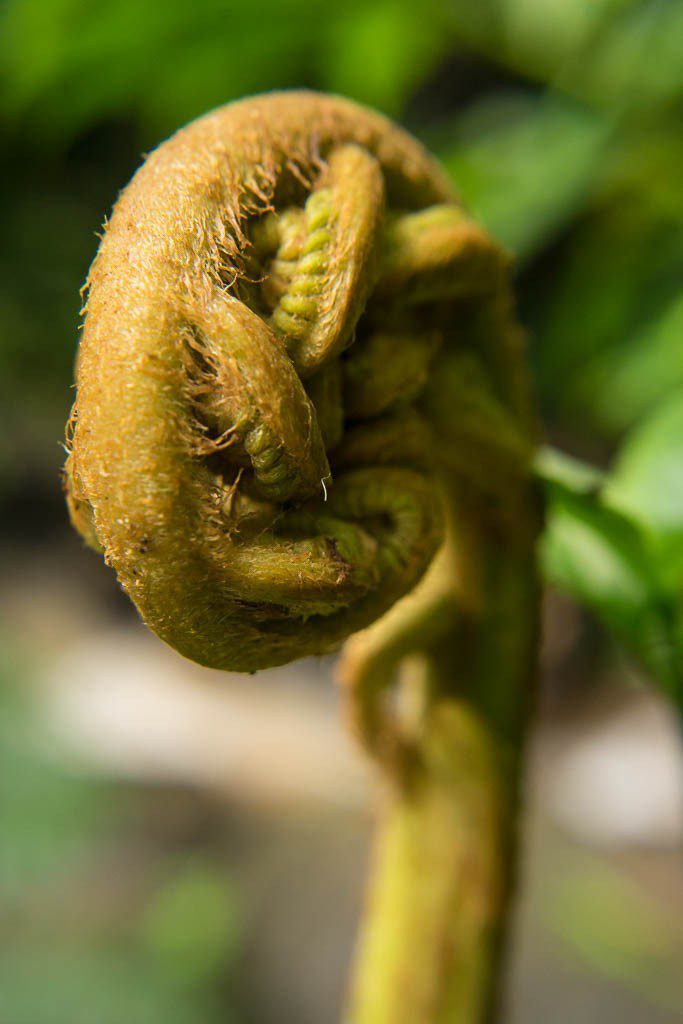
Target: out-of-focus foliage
(560, 122)
(615, 562)
(82, 940)
(69, 63)
(593, 907)
(191, 927)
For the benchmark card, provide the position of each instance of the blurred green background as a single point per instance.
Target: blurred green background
(560, 121)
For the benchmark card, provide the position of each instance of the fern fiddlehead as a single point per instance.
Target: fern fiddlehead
(299, 379)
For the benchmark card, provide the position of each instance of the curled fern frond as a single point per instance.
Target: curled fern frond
(271, 412)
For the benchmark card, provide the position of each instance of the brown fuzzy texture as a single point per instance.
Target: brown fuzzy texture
(209, 423)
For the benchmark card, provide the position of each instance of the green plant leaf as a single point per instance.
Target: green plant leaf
(647, 485)
(647, 479)
(605, 560)
(557, 467)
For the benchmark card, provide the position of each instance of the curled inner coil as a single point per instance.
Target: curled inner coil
(284, 321)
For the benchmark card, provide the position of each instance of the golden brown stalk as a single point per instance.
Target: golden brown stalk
(299, 377)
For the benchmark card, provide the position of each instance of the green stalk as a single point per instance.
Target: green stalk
(432, 943)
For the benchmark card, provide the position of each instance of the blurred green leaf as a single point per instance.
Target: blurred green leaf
(647, 484)
(597, 555)
(647, 478)
(556, 467)
(604, 560)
